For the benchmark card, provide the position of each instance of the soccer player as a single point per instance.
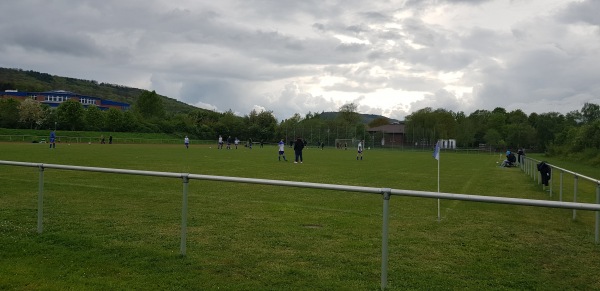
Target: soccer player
(298, 147)
(281, 150)
(220, 144)
(360, 150)
(53, 139)
(236, 142)
(186, 141)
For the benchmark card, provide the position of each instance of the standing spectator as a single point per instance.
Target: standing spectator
(110, 139)
(250, 143)
(520, 154)
(186, 141)
(53, 139)
(281, 150)
(545, 172)
(322, 145)
(261, 143)
(298, 147)
(360, 150)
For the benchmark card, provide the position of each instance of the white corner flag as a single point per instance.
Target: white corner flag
(436, 155)
(436, 151)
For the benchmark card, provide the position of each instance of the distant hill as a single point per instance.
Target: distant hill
(366, 118)
(31, 81)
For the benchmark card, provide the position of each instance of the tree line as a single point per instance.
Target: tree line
(575, 132)
(148, 115)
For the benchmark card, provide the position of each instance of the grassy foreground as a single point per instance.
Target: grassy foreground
(120, 232)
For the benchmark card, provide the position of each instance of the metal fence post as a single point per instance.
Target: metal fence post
(530, 168)
(597, 214)
(40, 218)
(575, 195)
(550, 182)
(184, 207)
(561, 185)
(384, 237)
(534, 173)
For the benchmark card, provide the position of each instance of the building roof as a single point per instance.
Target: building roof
(388, 128)
(63, 92)
(13, 93)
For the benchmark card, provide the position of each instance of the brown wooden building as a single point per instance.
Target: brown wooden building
(389, 135)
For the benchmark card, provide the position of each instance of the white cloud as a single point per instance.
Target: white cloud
(389, 57)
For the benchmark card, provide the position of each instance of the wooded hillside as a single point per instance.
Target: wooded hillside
(31, 81)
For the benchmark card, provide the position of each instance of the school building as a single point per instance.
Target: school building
(55, 98)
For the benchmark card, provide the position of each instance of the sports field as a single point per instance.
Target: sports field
(122, 232)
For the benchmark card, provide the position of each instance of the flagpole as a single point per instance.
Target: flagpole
(438, 188)
(436, 155)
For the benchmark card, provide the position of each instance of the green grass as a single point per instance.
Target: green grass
(34, 135)
(121, 232)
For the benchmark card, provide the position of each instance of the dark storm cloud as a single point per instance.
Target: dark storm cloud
(542, 74)
(41, 39)
(220, 93)
(582, 12)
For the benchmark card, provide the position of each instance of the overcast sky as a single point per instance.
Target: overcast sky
(388, 57)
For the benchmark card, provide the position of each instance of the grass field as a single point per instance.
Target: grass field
(121, 232)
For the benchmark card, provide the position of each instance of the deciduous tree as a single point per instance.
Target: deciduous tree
(30, 113)
(9, 113)
(94, 118)
(70, 115)
(149, 105)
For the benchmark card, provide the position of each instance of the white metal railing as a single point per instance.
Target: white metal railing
(529, 166)
(386, 193)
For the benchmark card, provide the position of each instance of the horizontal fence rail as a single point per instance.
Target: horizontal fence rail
(385, 192)
(529, 166)
(596, 181)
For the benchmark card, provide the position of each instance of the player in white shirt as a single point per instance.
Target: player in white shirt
(360, 150)
(281, 150)
(186, 141)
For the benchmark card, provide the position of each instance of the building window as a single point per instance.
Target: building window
(87, 101)
(52, 98)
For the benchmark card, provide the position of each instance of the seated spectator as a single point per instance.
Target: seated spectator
(510, 160)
